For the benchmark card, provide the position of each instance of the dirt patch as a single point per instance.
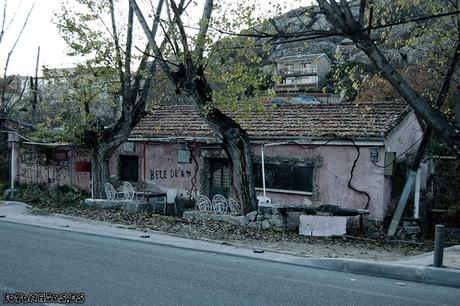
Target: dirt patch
(288, 241)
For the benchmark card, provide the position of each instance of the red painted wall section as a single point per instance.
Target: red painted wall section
(53, 166)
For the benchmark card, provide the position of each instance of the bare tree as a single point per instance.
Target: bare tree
(188, 74)
(11, 92)
(133, 93)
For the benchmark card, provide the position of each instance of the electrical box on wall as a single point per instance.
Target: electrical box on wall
(184, 156)
(374, 154)
(129, 147)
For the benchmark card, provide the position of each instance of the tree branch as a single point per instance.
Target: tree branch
(204, 26)
(362, 10)
(129, 43)
(183, 36)
(151, 37)
(5, 71)
(118, 60)
(2, 32)
(422, 108)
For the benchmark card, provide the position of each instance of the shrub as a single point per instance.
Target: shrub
(43, 195)
(3, 186)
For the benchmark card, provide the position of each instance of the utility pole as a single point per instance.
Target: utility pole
(34, 86)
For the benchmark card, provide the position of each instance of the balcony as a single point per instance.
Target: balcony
(297, 72)
(294, 87)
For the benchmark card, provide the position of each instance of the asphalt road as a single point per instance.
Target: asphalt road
(119, 272)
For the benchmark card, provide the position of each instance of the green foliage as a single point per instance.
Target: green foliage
(3, 186)
(74, 101)
(437, 147)
(347, 78)
(43, 195)
(85, 98)
(80, 27)
(238, 67)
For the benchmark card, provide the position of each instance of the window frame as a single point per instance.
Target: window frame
(315, 162)
(120, 167)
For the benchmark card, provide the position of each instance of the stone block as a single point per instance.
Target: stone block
(251, 217)
(324, 226)
(203, 216)
(130, 205)
(275, 222)
(255, 225)
(265, 225)
(103, 203)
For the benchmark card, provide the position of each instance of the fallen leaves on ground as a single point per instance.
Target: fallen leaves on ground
(287, 241)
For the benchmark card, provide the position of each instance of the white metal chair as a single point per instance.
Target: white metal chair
(129, 193)
(203, 203)
(110, 192)
(171, 194)
(219, 204)
(234, 206)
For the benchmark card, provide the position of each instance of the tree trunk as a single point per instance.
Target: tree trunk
(3, 135)
(239, 151)
(3, 149)
(238, 148)
(98, 172)
(457, 104)
(235, 139)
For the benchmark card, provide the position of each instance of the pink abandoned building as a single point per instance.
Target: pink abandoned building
(339, 154)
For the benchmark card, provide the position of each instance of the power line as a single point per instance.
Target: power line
(312, 35)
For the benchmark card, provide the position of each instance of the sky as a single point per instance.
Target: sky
(41, 31)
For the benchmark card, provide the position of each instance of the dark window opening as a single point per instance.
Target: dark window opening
(284, 177)
(220, 177)
(129, 166)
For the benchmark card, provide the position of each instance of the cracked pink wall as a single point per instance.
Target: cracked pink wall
(332, 177)
(162, 167)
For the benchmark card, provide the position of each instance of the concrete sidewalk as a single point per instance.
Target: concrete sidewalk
(411, 269)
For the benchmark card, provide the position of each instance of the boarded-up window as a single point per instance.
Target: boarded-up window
(129, 168)
(284, 177)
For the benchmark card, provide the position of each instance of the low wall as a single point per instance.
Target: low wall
(130, 205)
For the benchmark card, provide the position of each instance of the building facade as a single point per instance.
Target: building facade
(338, 154)
(301, 72)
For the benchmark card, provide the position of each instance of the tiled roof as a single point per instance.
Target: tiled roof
(366, 119)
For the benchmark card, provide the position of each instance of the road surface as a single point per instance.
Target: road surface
(111, 271)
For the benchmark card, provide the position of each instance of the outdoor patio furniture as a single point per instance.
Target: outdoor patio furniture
(160, 200)
(234, 206)
(219, 204)
(171, 194)
(110, 192)
(129, 193)
(203, 203)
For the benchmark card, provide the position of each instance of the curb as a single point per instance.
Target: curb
(428, 275)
